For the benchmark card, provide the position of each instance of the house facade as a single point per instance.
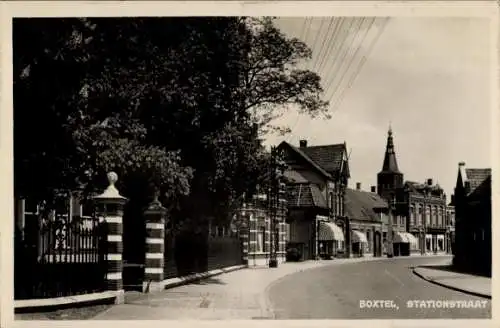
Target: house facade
(473, 220)
(368, 217)
(450, 223)
(425, 206)
(317, 180)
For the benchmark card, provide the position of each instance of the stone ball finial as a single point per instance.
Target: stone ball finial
(112, 178)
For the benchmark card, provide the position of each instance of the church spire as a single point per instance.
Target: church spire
(390, 162)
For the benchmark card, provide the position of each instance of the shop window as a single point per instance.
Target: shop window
(261, 246)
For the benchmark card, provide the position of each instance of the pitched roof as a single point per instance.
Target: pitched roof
(328, 157)
(307, 158)
(476, 177)
(420, 188)
(362, 205)
(305, 195)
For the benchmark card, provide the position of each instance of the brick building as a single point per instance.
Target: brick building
(318, 177)
(255, 230)
(473, 220)
(425, 205)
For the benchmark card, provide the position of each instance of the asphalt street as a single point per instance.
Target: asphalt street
(336, 292)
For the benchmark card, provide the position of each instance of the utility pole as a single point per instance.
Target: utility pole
(273, 200)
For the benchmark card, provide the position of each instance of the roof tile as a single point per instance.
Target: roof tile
(361, 205)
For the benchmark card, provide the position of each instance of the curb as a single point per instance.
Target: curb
(49, 304)
(149, 287)
(450, 287)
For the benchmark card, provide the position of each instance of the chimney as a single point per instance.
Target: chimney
(358, 185)
(429, 182)
(373, 189)
(303, 143)
(453, 199)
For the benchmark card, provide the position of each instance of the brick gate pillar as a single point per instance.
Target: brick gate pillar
(155, 243)
(110, 207)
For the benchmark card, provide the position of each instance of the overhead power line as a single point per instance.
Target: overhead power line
(342, 58)
(334, 57)
(360, 66)
(353, 57)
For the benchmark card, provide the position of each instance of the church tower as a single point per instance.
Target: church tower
(390, 179)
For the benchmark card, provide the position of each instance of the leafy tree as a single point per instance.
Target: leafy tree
(175, 103)
(69, 129)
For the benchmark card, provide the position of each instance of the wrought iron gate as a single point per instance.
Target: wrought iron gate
(57, 254)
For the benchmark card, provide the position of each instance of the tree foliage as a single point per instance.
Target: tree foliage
(175, 104)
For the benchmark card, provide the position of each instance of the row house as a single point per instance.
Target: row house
(317, 180)
(368, 217)
(473, 220)
(425, 205)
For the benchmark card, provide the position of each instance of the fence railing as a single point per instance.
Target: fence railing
(59, 256)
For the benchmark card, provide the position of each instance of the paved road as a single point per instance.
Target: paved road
(334, 292)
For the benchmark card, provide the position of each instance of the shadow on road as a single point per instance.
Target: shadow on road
(451, 268)
(208, 281)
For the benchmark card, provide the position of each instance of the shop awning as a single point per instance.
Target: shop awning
(330, 231)
(411, 238)
(359, 237)
(400, 237)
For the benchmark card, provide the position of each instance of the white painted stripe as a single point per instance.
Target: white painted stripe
(154, 255)
(155, 240)
(151, 225)
(114, 257)
(114, 276)
(252, 230)
(154, 270)
(253, 241)
(114, 219)
(115, 238)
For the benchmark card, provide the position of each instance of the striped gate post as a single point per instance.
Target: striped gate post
(155, 242)
(110, 207)
(244, 231)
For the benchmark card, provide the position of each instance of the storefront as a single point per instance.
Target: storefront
(330, 238)
(359, 243)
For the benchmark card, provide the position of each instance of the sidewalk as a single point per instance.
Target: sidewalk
(470, 284)
(236, 295)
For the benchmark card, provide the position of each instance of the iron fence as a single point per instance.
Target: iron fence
(59, 255)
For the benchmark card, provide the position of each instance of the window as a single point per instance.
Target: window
(436, 215)
(394, 220)
(260, 239)
(412, 215)
(427, 215)
(332, 201)
(384, 236)
(420, 215)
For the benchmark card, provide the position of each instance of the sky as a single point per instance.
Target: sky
(426, 77)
